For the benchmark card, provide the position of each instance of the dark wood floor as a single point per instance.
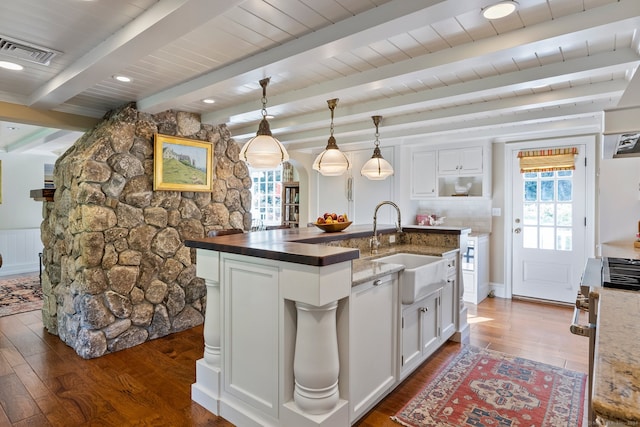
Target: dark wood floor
(44, 383)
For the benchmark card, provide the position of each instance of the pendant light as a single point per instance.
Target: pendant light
(332, 161)
(263, 151)
(377, 168)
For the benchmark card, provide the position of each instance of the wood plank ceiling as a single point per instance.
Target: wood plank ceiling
(431, 68)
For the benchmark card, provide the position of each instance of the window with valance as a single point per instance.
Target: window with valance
(554, 159)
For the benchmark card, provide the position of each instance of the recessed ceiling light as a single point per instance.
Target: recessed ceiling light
(11, 65)
(12, 128)
(123, 79)
(500, 9)
(209, 101)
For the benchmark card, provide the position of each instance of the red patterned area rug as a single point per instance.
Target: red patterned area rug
(20, 293)
(485, 388)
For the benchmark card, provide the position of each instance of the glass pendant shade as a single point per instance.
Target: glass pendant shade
(332, 161)
(377, 168)
(263, 151)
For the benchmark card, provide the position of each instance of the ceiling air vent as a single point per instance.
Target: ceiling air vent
(27, 51)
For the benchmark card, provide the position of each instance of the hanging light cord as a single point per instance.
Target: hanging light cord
(264, 83)
(376, 122)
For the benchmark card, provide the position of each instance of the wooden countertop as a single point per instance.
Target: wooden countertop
(293, 244)
(616, 386)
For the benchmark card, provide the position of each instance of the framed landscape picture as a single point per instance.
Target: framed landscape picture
(181, 164)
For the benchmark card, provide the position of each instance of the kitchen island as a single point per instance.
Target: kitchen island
(293, 317)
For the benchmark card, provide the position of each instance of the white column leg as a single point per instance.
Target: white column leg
(212, 324)
(207, 388)
(316, 365)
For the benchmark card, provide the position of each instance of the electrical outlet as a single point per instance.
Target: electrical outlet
(392, 238)
(496, 211)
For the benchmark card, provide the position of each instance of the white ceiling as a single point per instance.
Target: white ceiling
(431, 68)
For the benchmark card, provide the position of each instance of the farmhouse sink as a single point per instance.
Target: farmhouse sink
(422, 274)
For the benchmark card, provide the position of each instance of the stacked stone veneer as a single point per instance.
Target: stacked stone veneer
(116, 270)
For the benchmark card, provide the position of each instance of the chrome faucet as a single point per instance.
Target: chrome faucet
(375, 243)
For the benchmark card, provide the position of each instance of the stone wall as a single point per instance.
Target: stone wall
(116, 271)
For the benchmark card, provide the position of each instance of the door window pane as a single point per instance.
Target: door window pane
(547, 214)
(564, 239)
(565, 193)
(547, 240)
(530, 237)
(530, 214)
(546, 190)
(530, 191)
(564, 214)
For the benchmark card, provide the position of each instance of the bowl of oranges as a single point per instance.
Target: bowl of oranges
(332, 222)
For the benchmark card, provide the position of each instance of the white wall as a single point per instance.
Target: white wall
(619, 199)
(21, 173)
(20, 215)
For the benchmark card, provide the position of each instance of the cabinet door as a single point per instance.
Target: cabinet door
(466, 161)
(373, 331)
(447, 308)
(420, 334)
(423, 174)
(448, 162)
(411, 330)
(471, 160)
(251, 322)
(430, 322)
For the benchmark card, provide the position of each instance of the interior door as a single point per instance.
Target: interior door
(548, 231)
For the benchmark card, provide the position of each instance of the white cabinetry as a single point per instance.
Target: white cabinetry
(423, 174)
(460, 161)
(438, 171)
(419, 331)
(427, 323)
(475, 269)
(373, 343)
(340, 193)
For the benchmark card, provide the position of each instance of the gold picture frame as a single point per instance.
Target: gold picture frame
(181, 164)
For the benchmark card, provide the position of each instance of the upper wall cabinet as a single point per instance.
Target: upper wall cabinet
(463, 171)
(423, 174)
(460, 161)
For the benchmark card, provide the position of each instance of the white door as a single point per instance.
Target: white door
(548, 231)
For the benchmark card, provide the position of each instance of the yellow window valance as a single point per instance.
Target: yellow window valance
(555, 159)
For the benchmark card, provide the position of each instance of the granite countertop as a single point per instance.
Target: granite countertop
(616, 387)
(292, 244)
(620, 249)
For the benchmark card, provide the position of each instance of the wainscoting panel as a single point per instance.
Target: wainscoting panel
(20, 249)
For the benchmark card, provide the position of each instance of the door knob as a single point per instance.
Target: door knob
(517, 230)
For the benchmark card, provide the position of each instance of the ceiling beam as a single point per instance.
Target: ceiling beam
(158, 26)
(574, 69)
(522, 108)
(381, 22)
(565, 30)
(51, 119)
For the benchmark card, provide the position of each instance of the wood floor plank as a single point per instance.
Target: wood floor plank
(15, 399)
